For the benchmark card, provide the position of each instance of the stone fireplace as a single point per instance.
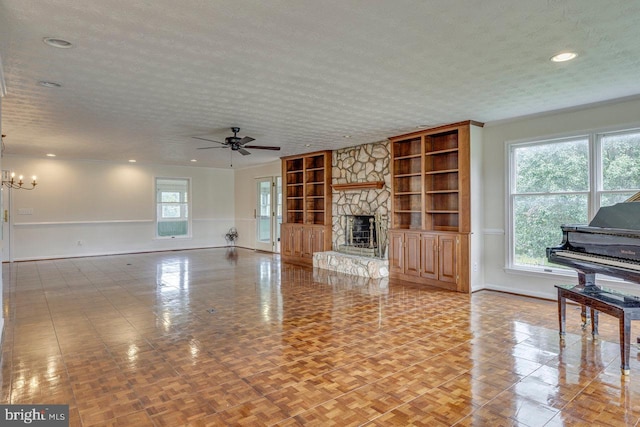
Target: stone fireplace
(361, 211)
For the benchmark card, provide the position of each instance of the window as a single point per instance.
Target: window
(172, 207)
(620, 170)
(565, 181)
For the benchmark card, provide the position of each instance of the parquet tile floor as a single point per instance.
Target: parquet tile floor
(198, 338)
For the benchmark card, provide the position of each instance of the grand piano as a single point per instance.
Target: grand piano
(609, 245)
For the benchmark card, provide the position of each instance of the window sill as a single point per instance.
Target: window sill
(546, 272)
(172, 237)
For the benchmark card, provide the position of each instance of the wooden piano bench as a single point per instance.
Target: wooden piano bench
(621, 306)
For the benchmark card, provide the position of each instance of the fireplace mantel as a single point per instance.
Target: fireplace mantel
(358, 185)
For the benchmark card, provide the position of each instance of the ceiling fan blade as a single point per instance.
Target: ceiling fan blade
(206, 148)
(208, 140)
(243, 151)
(262, 147)
(245, 140)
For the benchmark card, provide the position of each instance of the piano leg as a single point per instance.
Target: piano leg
(586, 280)
(562, 314)
(625, 344)
(584, 315)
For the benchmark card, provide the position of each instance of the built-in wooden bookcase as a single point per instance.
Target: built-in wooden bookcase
(316, 189)
(294, 178)
(307, 190)
(407, 183)
(308, 204)
(431, 194)
(442, 181)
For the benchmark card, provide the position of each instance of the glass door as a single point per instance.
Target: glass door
(268, 213)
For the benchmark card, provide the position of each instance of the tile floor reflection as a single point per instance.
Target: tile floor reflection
(197, 338)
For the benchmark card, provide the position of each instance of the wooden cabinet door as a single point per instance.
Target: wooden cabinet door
(412, 254)
(396, 252)
(306, 242)
(448, 258)
(429, 255)
(298, 240)
(286, 240)
(312, 241)
(317, 240)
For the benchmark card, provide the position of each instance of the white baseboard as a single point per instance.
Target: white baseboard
(524, 292)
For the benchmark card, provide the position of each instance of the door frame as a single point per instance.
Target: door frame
(276, 214)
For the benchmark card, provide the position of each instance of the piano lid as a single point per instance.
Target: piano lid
(624, 215)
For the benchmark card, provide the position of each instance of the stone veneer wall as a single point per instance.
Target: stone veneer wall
(363, 163)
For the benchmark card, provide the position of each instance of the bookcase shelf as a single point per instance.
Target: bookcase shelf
(434, 172)
(434, 153)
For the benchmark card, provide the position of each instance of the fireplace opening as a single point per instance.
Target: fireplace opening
(364, 235)
(361, 231)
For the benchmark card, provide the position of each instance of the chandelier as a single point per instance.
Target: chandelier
(19, 184)
(9, 180)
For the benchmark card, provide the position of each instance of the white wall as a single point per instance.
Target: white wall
(246, 193)
(476, 262)
(622, 113)
(110, 208)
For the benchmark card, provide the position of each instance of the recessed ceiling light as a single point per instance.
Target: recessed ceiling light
(346, 136)
(51, 155)
(194, 160)
(564, 56)
(59, 43)
(132, 161)
(49, 84)
(307, 145)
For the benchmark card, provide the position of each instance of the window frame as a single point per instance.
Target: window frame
(594, 193)
(600, 191)
(158, 206)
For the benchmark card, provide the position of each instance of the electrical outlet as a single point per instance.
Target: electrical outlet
(475, 267)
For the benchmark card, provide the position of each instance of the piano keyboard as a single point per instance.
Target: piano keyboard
(631, 265)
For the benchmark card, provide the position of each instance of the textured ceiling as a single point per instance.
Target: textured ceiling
(144, 76)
